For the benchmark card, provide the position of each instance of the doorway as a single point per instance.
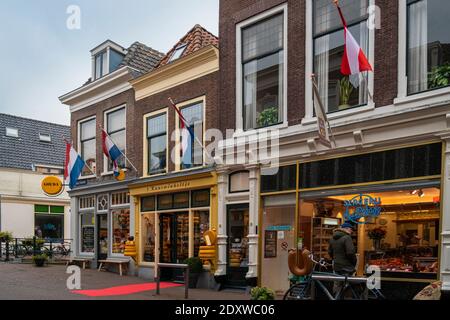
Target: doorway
(174, 240)
(102, 237)
(237, 227)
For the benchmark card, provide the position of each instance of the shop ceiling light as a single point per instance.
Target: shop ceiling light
(421, 194)
(414, 192)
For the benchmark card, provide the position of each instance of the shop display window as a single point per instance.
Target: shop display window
(87, 226)
(49, 221)
(148, 237)
(181, 200)
(200, 198)
(403, 239)
(121, 229)
(201, 225)
(165, 202)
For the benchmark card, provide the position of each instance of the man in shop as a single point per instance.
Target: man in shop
(343, 253)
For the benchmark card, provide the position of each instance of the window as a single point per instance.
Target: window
(201, 225)
(102, 202)
(12, 132)
(116, 129)
(428, 45)
(87, 202)
(148, 237)
(87, 225)
(157, 144)
(337, 92)
(239, 182)
(283, 180)
(121, 229)
(101, 65)
(120, 198)
(148, 204)
(45, 137)
(263, 59)
(200, 198)
(193, 157)
(87, 146)
(49, 222)
(178, 52)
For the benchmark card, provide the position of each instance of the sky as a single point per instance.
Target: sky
(42, 59)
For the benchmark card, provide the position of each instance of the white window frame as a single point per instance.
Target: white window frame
(417, 99)
(105, 121)
(239, 72)
(180, 106)
(80, 212)
(309, 63)
(12, 132)
(43, 137)
(145, 142)
(79, 145)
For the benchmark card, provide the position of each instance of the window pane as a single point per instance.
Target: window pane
(148, 203)
(56, 209)
(194, 117)
(326, 16)
(262, 38)
(165, 202)
(148, 237)
(87, 129)
(157, 154)
(328, 52)
(116, 120)
(263, 91)
(49, 226)
(239, 181)
(201, 225)
(156, 125)
(428, 45)
(98, 66)
(181, 200)
(200, 198)
(87, 232)
(40, 208)
(88, 155)
(121, 229)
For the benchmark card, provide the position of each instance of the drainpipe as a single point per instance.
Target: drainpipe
(0, 212)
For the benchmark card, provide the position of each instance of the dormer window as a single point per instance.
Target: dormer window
(12, 132)
(101, 65)
(45, 137)
(178, 52)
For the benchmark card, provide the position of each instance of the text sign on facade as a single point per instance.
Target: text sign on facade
(362, 206)
(52, 186)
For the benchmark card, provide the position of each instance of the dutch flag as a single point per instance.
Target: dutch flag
(187, 137)
(73, 167)
(111, 151)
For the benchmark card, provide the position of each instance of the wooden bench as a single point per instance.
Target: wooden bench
(117, 262)
(83, 261)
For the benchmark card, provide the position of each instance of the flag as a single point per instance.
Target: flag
(354, 60)
(187, 137)
(111, 151)
(73, 166)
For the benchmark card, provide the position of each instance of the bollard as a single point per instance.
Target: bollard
(7, 251)
(16, 248)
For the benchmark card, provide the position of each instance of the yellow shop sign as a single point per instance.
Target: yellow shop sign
(52, 186)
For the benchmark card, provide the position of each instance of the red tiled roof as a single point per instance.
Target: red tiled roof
(197, 38)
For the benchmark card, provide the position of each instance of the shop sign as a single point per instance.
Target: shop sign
(362, 206)
(52, 186)
(169, 186)
(279, 228)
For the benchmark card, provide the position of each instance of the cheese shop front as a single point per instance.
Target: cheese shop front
(172, 215)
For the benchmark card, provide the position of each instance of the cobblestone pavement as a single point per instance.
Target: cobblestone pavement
(27, 282)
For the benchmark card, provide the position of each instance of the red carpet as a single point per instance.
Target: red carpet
(125, 290)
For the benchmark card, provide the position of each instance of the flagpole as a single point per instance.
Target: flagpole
(321, 106)
(367, 86)
(126, 158)
(195, 137)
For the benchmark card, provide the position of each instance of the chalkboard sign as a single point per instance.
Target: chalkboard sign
(88, 239)
(270, 244)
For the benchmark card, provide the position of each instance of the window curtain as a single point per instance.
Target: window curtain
(418, 47)
(322, 59)
(364, 44)
(250, 70)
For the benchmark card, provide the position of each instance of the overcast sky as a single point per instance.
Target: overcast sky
(41, 59)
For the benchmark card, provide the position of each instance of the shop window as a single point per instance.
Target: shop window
(120, 198)
(87, 226)
(88, 145)
(49, 222)
(148, 237)
(329, 49)
(200, 198)
(428, 45)
(102, 202)
(181, 200)
(157, 144)
(148, 204)
(193, 157)
(239, 182)
(201, 225)
(87, 202)
(284, 179)
(121, 229)
(404, 163)
(116, 129)
(263, 59)
(165, 202)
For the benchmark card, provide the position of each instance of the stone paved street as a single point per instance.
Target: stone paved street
(25, 281)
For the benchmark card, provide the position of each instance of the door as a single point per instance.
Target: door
(102, 236)
(237, 227)
(174, 240)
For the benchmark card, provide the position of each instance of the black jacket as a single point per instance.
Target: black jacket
(343, 252)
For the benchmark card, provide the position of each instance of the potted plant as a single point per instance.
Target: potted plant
(376, 235)
(345, 90)
(267, 117)
(195, 269)
(6, 236)
(262, 293)
(39, 259)
(439, 76)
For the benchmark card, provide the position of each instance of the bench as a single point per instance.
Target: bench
(117, 262)
(83, 261)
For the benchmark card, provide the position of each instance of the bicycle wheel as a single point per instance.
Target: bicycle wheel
(299, 291)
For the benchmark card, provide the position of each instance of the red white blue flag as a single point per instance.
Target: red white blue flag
(73, 167)
(187, 137)
(111, 151)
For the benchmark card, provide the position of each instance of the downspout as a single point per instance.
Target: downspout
(0, 212)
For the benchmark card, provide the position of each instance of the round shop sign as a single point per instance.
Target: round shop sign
(52, 186)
